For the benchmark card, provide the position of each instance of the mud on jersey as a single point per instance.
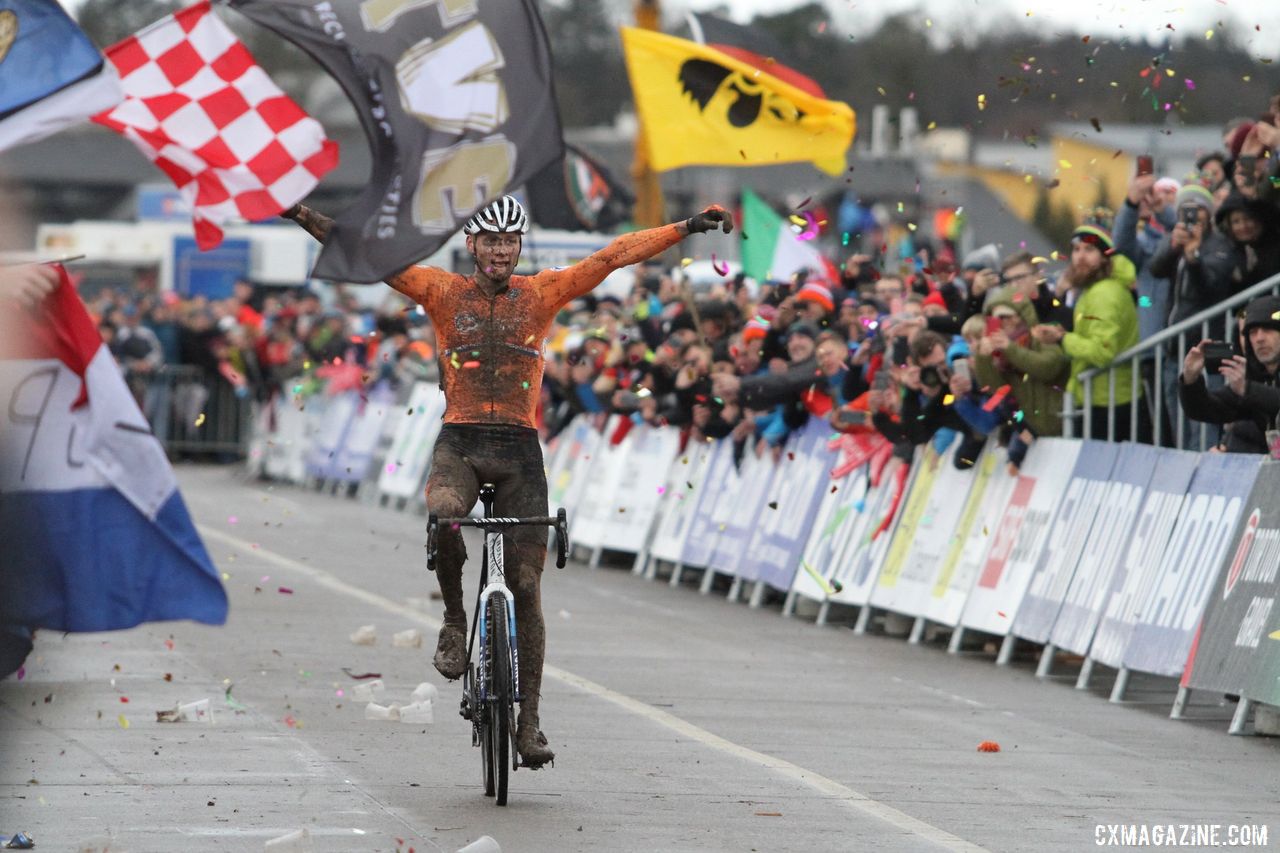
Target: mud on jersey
(490, 345)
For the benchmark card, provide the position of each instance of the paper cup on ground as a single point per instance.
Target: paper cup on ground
(367, 691)
(417, 713)
(407, 639)
(365, 635)
(425, 692)
(374, 711)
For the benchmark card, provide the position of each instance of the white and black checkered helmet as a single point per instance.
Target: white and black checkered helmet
(501, 216)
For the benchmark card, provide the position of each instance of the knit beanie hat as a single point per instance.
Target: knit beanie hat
(1195, 194)
(1094, 235)
(814, 292)
(755, 329)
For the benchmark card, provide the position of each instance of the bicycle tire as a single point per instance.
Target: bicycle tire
(500, 698)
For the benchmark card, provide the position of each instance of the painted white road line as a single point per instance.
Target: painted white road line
(827, 787)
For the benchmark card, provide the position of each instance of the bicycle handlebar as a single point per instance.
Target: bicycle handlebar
(498, 521)
(494, 523)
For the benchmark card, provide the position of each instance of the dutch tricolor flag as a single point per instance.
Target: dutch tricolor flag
(94, 535)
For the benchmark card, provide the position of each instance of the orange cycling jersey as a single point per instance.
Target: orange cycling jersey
(490, 344)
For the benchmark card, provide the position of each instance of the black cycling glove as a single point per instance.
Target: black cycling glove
(710, 219)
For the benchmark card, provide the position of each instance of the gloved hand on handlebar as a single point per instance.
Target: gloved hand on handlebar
(710, 219)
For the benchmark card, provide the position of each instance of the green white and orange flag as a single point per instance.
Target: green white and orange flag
(771, 248)
(702, 107)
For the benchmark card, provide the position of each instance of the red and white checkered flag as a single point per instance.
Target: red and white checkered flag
(197, 104)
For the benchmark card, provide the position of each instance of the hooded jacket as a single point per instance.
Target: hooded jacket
(1106, 324)
(1034, 371)
(1139, 241)
(1249, 415)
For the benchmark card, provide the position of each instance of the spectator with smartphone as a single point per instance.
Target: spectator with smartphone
(1140, 225)
(1249, 403)
(1106, 324)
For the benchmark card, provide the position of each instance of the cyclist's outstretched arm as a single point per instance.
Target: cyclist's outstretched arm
(318, 225)
(628, 249)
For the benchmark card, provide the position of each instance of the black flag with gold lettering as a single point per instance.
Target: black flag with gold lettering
(457, 102)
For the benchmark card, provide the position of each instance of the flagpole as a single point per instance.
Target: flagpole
(649, 208)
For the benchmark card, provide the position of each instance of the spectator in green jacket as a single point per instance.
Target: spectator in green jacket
(1106, 324)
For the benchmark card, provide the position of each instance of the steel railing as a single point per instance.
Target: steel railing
(192, 411)
(1154, 349)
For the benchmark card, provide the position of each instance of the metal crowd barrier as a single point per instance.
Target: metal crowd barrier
(193, 411)
(1215, 323)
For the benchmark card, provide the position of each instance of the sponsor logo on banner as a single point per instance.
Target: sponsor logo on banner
(1232, 652)
(1007, 533)
(1146, 555)
(1242, 552)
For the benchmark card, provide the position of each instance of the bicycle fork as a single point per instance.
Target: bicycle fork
(484, 627)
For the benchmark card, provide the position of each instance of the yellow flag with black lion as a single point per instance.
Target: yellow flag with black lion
(702, 107)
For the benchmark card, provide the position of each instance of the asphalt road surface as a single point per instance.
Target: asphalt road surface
(681, 722)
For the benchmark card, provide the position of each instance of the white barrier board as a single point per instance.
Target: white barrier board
(640, 488)
(679, 502)
(988, 498)
(1082, 607)
(1020, 535)
(924, 534)
(404, 473)
(1082, 502)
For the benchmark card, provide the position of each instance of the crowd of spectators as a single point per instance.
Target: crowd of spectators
(937, 349)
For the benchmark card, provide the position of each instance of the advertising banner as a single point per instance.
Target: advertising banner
(1112, 531)
(869, 531)
(794, 496)
(1020, 535)
(702, 532)
(600, 489)
(1144, 553)
(640, 488)
(743, 495)
(992, 486)
(329, 421)
(924, 475)
(1233, 648)
(928, 528)
(1167, 621)
(285, 447)
(405, 473)
(354, 460)
(1082, 502)
(584, 440)
(835, 517)
(679, 502)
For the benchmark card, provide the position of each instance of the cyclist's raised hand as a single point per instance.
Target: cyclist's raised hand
(710, 219)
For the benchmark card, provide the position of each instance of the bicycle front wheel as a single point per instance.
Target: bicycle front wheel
(500, 698)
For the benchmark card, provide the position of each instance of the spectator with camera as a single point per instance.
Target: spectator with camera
(1249, 403)
(924, 404)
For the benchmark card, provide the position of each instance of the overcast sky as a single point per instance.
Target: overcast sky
(1087, 17)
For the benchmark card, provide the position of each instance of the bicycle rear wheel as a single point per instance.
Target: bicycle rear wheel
(500, 698)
